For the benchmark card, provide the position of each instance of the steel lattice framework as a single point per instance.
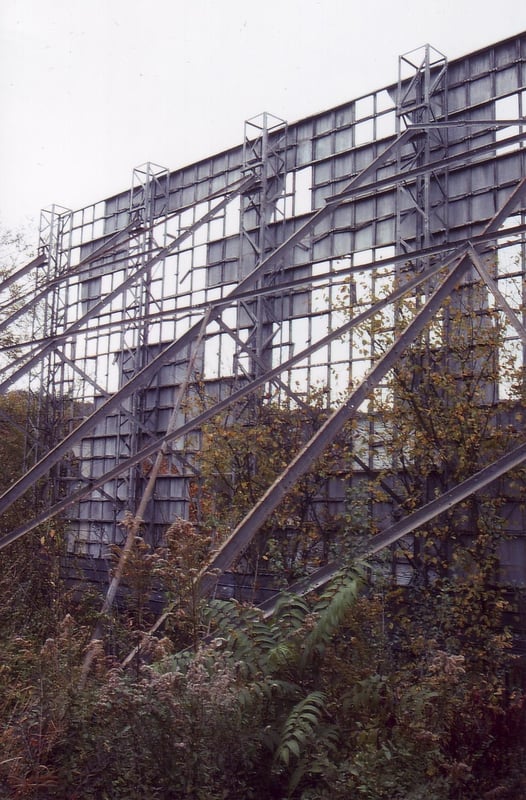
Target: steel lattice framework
(226, 273)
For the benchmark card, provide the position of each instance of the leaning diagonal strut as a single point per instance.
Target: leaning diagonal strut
(493, 286)
(33, 358)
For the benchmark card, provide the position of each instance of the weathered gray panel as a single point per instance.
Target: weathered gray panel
(385, 232)
(364, 238)
(480, 90)
(506, 80)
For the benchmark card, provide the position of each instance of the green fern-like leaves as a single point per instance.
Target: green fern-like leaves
(299, 728)
(331, 610)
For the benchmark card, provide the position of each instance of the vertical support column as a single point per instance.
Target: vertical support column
(148, 204)
(51, 318)
(50, 384)
(261, 230)
(422, 204)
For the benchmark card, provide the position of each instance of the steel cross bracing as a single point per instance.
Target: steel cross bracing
(26, 362)
(355, 184)
(491, 232)
(477, 155)
(247, 529)
(416, 170)
(30, 299)
(143, 378)
(60, 347)
(389, 177)
(289, 284)
(246, 389)
(20, 366)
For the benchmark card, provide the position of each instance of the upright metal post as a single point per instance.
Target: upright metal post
(262, 218)
(50, 384)
(148, 202)
(422, 204)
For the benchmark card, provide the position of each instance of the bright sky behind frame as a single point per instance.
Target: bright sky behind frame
(89, 89)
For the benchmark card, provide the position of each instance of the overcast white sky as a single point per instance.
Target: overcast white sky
(90, 89)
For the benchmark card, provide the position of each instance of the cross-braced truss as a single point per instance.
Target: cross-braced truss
(227, 274)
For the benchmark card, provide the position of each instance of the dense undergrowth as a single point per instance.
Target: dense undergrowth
(342, 696)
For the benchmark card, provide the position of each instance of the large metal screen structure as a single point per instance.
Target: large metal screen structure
(228, 275)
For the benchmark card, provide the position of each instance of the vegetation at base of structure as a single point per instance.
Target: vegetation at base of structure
(335, 696)
(315, 702)
(367, 689)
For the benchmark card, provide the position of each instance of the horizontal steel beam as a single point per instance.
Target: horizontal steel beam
(278, 290)
(460, 160)
(466, 123)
